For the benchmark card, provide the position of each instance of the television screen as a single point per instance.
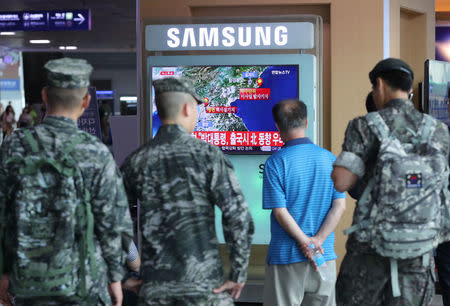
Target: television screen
(237, 111)
(437, 89)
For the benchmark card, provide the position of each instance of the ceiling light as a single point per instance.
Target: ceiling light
(71, 47)
(39, 41)
(128, 98)
(8, 33)
(62, 48)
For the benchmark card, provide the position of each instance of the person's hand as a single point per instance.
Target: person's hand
(4, 284)
(307, 251)
(5, 298)
(317, 243)
(115, 291)
(303, 245)
(234, 289)
(132, 284)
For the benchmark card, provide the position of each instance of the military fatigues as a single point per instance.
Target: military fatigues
(364, 277)
(178, 179)
(109, 204)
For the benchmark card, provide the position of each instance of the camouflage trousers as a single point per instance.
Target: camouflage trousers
(222, 299)
(364, 279)
(57, 301)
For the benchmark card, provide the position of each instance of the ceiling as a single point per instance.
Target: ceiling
(442, 5)
(113, 26)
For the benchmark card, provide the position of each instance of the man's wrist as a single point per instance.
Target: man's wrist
(303, 240)
(320, 239)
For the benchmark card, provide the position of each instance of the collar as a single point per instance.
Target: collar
(399, 103)
(60, 121)
(170, 130)
(297, 141)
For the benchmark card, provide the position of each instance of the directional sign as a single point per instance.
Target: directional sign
(67, 20)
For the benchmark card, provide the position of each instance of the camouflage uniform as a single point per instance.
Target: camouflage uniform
(112, 222)
(178, 179)
(109, 203)
(364, 277)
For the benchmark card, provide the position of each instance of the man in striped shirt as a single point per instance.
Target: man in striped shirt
(306, 208)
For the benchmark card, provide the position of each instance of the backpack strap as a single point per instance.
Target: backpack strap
(31, 140)
(428, 127)
(394, 273)
(89, 243)
(426, 259)
(394, 277)
(362, 201)
(378, 125)
(30, 144)
(87, 248)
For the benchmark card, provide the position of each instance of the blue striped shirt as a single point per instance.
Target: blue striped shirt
(298, 177)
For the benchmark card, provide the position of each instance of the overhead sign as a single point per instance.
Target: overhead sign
(233, 36)
(67, 20)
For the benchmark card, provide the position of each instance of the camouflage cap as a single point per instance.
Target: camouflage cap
(175, 85)
(68, 73)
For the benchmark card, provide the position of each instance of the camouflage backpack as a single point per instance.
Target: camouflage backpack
(403, 219)
(53, 238)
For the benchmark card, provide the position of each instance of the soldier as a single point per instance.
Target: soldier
(64, 203)
(400, 156)
(178, 180)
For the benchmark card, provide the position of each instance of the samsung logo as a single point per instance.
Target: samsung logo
(231, 36)
(227, 37)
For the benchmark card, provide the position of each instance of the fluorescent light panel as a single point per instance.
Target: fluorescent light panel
(7, 33)
(68, 47)
(126, 98)
(39, 41)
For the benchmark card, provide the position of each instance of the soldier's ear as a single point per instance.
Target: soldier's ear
(86, 101)
(186, 109)
(44, 96)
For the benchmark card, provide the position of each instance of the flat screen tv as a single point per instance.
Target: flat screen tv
(237, 111)
(437, 89)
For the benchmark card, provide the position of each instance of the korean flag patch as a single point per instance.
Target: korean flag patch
(414, 180)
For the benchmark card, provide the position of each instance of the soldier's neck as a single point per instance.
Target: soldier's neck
(71, 114)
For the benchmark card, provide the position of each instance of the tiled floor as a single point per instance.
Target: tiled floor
(437, 301)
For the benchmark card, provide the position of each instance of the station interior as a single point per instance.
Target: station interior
(351, 36)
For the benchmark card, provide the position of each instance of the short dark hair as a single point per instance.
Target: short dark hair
(397, 74)
(169, 103)
(370, 103)
(290, 114)
(65, 98)
(397, 80)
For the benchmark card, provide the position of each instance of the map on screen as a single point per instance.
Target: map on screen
(237, 111)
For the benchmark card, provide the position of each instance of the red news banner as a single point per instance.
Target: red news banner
(240, 138)
(254, 94)
(221, 109)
